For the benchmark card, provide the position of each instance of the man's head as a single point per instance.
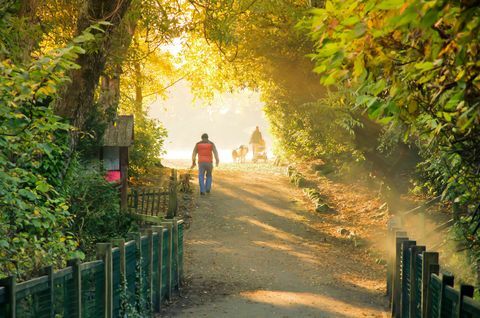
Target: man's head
(204, 136)
(257, 129)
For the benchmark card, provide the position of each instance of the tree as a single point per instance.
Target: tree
(79, 96)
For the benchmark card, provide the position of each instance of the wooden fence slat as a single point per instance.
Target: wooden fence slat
(146, 210)
(10, 285)
(77, 286)
(465, 291)
(152, 212)
(104, 252)
(158, 282)
(390, 263)
(429, 258)
(447, 280)
(49, 272)
(169, 260)
(431, 301)
(405, 278)
(159, 206)
(414, 251)
(143, 202)
(400, 238)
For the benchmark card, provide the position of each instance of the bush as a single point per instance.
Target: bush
(95, 208)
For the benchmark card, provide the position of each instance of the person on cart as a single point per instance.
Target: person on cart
(257, 142)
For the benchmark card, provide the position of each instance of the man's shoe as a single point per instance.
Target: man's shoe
(202, 193)
(208, 191)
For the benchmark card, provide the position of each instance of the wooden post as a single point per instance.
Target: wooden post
(77, 286)
(159, 204)
(120, 243)
(10, 285)
(390, 256)
(104, 252)
(397, 288)
(169, 259)
(414, 251)
(158, 283)
(135, 200)
(150, 267)
(465, 290)
(434, 269)
(429, 258)
(152, 211)
(172, 196)
(143, 201)
(124, 177)
(175, 243)
(147, 205)
(49, 272)
(404, 303)
(447, 280)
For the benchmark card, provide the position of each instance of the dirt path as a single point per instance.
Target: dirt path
(254, 250)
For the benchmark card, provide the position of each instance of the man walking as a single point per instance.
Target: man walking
(204, 149)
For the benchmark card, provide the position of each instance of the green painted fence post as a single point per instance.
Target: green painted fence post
(120, 243)
(49, 272)
(77, 286)
(414, 251)
(467, 291)
(400, 236)
(405, 279)
(104, 252)
(169, 260)
(10, 284)
(180, 242)
(176, 249)
(434, 269)
(150, 267)
(159, 231)
(429, 258)
(447, 280)
(390, 261)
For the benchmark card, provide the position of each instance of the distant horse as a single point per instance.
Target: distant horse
(240, 154)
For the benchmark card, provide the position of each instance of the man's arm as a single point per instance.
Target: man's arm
(215, 153)
(194, 155)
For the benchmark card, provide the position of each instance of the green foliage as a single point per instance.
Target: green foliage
(419, 67)
(33, 141)
(150, 136)
(415, 65)
(321, 129)
(95, 208)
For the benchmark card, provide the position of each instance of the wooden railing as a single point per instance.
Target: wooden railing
(416, 286)
(154, 204)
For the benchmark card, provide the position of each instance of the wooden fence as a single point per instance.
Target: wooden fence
(154, 204)
(128, 276)
(416, 286)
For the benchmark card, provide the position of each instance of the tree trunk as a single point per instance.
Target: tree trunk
(138, 109)
(109, 98)
(78, 97)
(110, 93)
